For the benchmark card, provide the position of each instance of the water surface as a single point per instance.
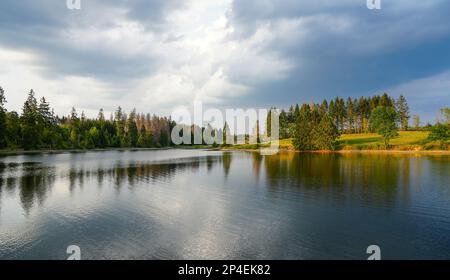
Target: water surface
(193, 204)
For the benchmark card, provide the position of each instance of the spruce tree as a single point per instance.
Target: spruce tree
(303, 129)
(132, 131)
(30, 122)
(3, 128)
(403, 112)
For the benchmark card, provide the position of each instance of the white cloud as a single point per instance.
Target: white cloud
(195, 56)
(160, 55)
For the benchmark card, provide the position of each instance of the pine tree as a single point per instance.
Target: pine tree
(403, 112)
(101, 115)
(416, 121)
(30, 121)
(132, 129)
(75, 137)
(226, 134)
(3, 127)
(269, 123)
(120, 127)
(47, 124)
(283, 124)
(303, 129)
(325, 134)
(350, 115)
(13, 130)
(386, 100)
(258, 139)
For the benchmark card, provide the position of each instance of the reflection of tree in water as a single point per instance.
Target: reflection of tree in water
(33, 180)
(257, 162)
(226, 162)
(438, 171)
(141, 172)
(373, 176)
(2, 168)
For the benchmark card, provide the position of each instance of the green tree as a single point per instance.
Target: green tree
(92, 138)
(258, 138)
(142, 139)
(325, 134)
(132, 131)
(75, 133)
(351, 115)
(283, 124)
(384, 121)
(30, 123)
(303, 129)
(445, 112)
(269, 123)
(441, 133)
(416, 122)
(403, 112)
(3, 128)
(13, 130)
(341, 113)
(386, 101)
(47, 124)
(226, 135)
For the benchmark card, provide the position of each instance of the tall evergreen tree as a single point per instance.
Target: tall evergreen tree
(75, 133)
(3, 128)
(350, 115)
(403, 112)
(325, 134)
(416, 122)
(132, 129)
(30, 122)
(269, 123)
(47, 124)
(303, 129)
(13, 130)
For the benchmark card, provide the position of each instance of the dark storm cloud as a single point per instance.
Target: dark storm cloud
(370, 52)
(333, 47)
(42, 26)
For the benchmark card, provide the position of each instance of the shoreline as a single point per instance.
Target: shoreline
(407, 152)
(76, 151)
(227, 149)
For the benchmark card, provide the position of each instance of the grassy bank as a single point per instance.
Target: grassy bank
(406, 141)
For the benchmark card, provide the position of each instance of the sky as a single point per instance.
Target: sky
(159, 55)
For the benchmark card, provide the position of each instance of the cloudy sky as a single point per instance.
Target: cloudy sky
(156, 55)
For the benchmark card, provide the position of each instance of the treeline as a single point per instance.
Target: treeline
(351, 115)
(37, 127)
(317, 126)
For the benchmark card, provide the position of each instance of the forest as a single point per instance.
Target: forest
(318, 126)
(37, 127)
(313, 126)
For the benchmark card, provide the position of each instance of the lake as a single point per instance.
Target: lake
(198, 204)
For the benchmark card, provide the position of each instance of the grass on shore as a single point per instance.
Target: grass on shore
(405, 141)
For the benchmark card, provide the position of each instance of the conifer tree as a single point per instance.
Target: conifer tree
(3, 128)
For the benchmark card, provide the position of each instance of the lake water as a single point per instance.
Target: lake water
(195, 204)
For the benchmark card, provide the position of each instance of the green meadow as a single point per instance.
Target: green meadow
(405, 141)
